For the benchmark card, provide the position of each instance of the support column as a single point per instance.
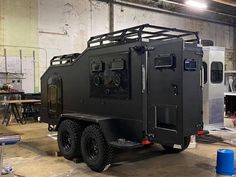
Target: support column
(234, 63)
(111, 16)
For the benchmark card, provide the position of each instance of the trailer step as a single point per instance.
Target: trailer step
(125, 144)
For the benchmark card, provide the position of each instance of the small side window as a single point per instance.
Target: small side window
(216, 72)
(96, 66)
(54, 96)
(117, 65)
(190, 65)
(164, 61)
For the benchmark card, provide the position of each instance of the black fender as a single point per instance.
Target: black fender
(113, 128)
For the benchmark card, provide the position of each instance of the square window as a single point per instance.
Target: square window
(216, 72)
(164, 61)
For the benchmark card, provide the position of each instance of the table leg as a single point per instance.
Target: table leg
(18, 117)
(24, 106)
(9, 116)
(14, 111)
(6, 116)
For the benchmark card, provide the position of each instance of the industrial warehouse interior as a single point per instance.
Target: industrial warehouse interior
(117, 88)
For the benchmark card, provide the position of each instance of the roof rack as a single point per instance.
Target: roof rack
(142, 33)
(64, 59)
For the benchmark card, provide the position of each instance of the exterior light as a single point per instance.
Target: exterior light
(196, 4)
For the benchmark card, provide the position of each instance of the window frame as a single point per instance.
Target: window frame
(214, 81)
(54, 82)
(172, 61)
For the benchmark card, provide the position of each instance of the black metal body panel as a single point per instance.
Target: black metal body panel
(109, 76)
(192, 92)
(174, 93)
(230, 106)
(165, 104)
(133, 89)
(76, 89)
(111, 126)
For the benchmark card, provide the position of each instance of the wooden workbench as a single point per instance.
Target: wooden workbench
(11, 108)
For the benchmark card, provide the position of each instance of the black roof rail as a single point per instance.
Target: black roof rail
(64, 59)
(142, 33)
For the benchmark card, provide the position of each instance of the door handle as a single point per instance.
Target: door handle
(143, 79)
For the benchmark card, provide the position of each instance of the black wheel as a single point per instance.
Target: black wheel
(69, 139)
(171, 149)
(96, 153)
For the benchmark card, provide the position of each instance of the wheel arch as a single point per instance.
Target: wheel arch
(112, 128)
(105, 125)
(81, 122)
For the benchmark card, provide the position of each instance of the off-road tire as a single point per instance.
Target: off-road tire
(96, 152)
(171, 149)
(69, 139)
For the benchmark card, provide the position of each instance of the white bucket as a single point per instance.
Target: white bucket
(193, 143)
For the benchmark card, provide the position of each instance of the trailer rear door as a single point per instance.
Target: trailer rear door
(165, 65)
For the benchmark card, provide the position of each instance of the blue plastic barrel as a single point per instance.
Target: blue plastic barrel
(225, 162)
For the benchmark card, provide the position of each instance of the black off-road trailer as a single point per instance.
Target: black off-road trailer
(129, 88)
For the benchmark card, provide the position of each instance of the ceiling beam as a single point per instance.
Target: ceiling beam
(227, 2)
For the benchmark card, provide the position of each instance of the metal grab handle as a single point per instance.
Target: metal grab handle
(143, 79)
(202, 76)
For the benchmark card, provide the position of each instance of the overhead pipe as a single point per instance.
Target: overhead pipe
(5, 57)
(21, 66)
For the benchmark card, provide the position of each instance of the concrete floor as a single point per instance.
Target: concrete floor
(35, 157)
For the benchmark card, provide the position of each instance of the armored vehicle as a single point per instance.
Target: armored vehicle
(129, 88)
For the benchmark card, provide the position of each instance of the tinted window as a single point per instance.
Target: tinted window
(164, 61)
(117, 65)
(190, 65)
(216, 72)
(96, 66)
(54, 96)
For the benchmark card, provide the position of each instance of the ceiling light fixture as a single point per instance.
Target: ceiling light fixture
(196, 4)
